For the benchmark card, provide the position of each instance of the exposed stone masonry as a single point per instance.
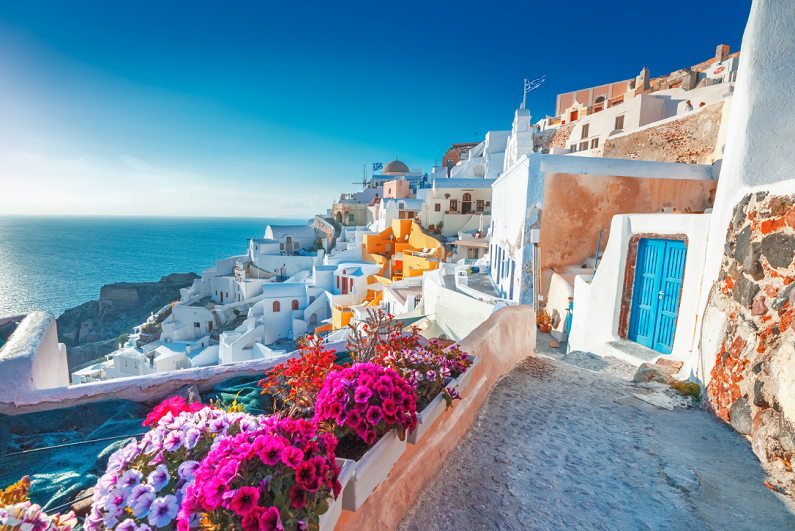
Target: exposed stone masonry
(750, 385)
(690, 139)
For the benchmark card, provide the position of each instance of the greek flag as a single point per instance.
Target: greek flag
(377, 166)
(534, 84)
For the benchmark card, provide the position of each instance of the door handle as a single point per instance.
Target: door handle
(661, 294)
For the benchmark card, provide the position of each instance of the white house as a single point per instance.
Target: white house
(457, 204)
(392, 209)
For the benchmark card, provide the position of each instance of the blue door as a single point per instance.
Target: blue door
(659, 272)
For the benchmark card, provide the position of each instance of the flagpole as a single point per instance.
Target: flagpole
(524, 94)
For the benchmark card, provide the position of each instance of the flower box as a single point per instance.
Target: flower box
(462, 381)
(371, 470)
(329, 520)
(427, 417)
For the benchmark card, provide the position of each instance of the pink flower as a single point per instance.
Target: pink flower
(251, 520)
(362, 394)
(269, 520)
(213, 492)
(374, 415)
(245, 500)
(388, 407)
(271, 451)
(229, 470)
(370, 437)
(298, 495)
(305, 474)
(292, 456)
(384, 392)
(353, 418)
(334, 409)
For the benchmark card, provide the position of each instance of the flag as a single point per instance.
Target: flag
(377, 166)
(534, 84)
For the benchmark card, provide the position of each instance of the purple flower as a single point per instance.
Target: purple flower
(188, 469)
(111, 517)
(173, 441)
(143, 504)
(374, 415)
(158, 478)
(130, 479)
(192, 436)
(116, 461)
(106, 483)
(136, 493)
(431, 375)
(163, 511)
(143, 527)
(130, 451)
(363, 394)
(126, 525)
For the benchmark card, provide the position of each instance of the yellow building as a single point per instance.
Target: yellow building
(403, 250)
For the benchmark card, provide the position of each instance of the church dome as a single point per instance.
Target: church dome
(394, 168)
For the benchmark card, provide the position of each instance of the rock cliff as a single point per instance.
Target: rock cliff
(91, 330)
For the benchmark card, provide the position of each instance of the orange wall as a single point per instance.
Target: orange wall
(577, 206)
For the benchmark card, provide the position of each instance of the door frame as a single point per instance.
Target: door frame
(629, 275)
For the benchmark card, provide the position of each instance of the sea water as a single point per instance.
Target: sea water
(56, 263)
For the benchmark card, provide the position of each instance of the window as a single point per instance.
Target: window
(350, 218)
(585, 131)
(620, 122)
(438, 207)
(453, 205)
(595, 143)
(410, 214)
(350, 284)
(295, 305)
(480, 205)
(472, 252)
(338, 282)
(276, 307)
(488, 203)
(295, 245)
(467, 197)
(227, 294)
(196, 325)
(573, 148)
(281, 247)
(402, 214)
(584, 146)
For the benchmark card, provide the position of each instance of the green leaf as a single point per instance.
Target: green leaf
(280, 502)
(321, 507)
(276, 485)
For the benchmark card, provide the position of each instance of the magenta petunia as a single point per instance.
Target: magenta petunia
(374, 415)
(297, 496)
(269, 520)
(362, 394)
(245, 500)
(271, 452)
(305, 474)
(292, 456)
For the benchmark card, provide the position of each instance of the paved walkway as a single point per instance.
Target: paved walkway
(557, 446)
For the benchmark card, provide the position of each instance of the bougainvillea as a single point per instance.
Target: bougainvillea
(368, 400)
(146, 481)
(297, 382)
(278, 477)
(174, 405)
(18, 514)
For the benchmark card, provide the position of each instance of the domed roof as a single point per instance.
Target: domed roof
(395, 167)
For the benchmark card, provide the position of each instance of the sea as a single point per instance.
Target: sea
(56, 263)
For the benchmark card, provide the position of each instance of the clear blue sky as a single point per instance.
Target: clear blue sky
(271, 108)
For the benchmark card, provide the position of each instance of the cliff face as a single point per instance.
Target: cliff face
(90, 330)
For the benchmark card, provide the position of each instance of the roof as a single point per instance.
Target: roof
(357, 269)
(283, 289)
(279, 232)
(402, 294)
(462, 183)
(395, 167)
(411, 204)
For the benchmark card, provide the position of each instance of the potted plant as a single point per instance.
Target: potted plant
(370, 408)
(544, 321)
(279, 476)
(18, 514)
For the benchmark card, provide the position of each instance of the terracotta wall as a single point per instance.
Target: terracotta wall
(501, 342)
(576, 207)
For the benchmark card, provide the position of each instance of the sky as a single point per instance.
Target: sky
(271, 109)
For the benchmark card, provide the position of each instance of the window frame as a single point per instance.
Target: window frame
(277, 307)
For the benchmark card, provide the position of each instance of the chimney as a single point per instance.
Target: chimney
(722, 53)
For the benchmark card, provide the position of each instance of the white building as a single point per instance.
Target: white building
(457, 204)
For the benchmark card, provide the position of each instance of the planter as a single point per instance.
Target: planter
(544, 328)
(427, 417)
(329, 520)
(371, 470)
(462, 381)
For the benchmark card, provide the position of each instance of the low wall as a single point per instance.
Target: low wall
(149, 388)
(507, 337)
(457, 313)
(33, 359)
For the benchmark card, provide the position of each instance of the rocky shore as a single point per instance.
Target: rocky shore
(94, 328)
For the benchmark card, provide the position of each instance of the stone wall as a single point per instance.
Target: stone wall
(748, 327)
(691, 139)
(561, 136)
(543, 140)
